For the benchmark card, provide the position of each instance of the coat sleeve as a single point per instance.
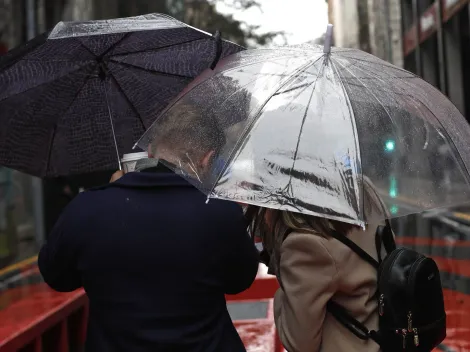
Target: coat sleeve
(307, 272)
(242, 260)
(57, 259)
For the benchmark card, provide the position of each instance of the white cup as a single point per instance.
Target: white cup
(128, 161)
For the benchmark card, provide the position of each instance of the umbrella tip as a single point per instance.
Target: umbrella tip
(328, 39)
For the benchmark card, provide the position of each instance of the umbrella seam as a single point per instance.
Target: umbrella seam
(248, 128)
(396, 129)
(112, 47)
(467, 176)
(128, 100)
(157, 49)
(385, 64)
(94, 56)
(304, 118)
(194, 87)
(128, 65)
(48, 82)
(373, 94)
(49, 152)
(356, 135)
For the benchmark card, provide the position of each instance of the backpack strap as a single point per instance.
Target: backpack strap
(352, 324)
(384, 234)
(355, 248)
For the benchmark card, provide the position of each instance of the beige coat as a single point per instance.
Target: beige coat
(315, 269)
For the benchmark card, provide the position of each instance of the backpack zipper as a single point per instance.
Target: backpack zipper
(381, 304)
(383, 269)
(412, 276)
(410, 295)
(410, 321)
(415, 331)
(412, 329)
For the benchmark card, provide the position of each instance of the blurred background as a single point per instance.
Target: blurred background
(429, 38)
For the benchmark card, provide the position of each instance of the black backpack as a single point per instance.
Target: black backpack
(410, 299)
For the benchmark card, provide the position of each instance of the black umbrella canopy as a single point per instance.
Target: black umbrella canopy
(74, 99)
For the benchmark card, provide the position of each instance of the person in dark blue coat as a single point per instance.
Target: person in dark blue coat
(155, 261)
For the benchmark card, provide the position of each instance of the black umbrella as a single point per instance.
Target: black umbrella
(75, 99)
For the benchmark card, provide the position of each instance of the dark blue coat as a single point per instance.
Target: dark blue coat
(155, 261)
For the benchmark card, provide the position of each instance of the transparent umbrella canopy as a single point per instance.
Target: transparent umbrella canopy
(303, 128)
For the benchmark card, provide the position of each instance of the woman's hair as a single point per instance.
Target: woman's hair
(281, 223)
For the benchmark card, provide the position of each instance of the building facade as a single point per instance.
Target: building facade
(370, 25)
(436, 46)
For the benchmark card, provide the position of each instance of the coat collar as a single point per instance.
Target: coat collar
(146, 180)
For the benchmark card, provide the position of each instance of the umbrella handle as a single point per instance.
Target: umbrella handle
(218, 49)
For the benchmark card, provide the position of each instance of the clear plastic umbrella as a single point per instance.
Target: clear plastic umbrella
(301, 128)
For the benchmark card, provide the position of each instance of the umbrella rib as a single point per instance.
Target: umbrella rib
(86, 48)
(353, 120)
(39, 85)
(128, 100)
(371, 93)
(49, 152)
(115, 44)
(304, 118)
(158, 49)
(250, 125)
(435, 117)
(128, 65)
(385, 64)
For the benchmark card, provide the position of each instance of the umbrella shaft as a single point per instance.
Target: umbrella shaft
(112, 124)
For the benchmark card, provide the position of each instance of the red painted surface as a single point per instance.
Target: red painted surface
(458, 321)
(258, 335)
(436, 242)
(33, 310)
(455, 266)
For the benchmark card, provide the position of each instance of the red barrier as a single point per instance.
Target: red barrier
(40, 319)
(258, 334)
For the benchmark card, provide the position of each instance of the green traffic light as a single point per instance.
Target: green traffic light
(390, 145)
(393, 190)
(394, 209)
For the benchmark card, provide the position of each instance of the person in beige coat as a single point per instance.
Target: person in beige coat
(312, 268)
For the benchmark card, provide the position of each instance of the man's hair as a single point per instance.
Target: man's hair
(188, 130)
